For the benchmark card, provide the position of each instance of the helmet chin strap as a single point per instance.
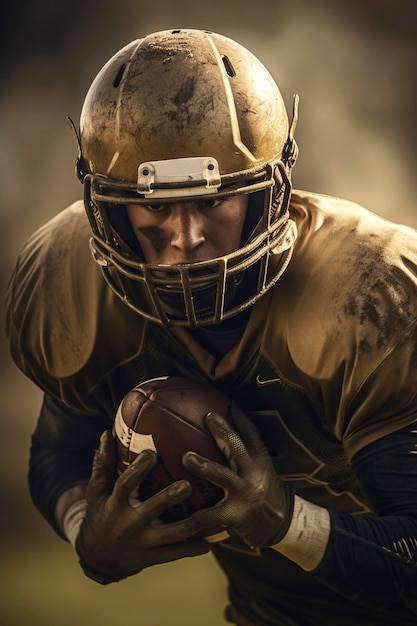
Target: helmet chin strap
(81, 168)
(290, 152)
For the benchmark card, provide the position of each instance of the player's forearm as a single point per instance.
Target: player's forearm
(70, 511)
(61, 457)
(373, 560)
(56, 479)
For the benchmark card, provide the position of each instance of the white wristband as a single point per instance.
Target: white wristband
(73, 519)
(306, 539)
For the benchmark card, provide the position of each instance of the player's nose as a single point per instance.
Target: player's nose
(187, 227)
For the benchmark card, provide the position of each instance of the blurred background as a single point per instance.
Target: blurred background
(353, 63)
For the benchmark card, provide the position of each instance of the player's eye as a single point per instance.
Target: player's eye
(155, 208)
(210, 203)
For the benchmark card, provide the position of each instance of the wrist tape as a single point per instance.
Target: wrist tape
(306, 539)
(73, 519)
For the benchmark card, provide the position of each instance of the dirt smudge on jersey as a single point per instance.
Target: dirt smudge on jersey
(381, 299)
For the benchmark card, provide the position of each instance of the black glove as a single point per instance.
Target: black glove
(120, 536)
(257, 506)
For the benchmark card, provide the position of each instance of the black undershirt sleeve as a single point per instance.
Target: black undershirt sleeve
(61, 454)
(373, 560)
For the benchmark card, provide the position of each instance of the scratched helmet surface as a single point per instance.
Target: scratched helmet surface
(186, 114)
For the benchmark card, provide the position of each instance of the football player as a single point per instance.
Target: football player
(192, 256)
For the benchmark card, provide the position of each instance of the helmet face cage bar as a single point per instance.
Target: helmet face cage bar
(149, 289)
(105, 190)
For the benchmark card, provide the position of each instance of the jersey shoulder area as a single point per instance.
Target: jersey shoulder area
(348, 317)
(319, 210)
(354, 273)
(349, 235)
(60, 311)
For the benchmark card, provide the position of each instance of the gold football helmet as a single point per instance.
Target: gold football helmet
(185, 115)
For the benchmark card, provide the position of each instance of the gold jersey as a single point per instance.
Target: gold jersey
(325, 366)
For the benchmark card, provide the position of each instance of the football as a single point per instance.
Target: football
(166, 415)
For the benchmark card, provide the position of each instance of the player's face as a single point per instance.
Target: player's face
(187, 232)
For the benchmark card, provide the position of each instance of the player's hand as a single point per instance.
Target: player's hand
(120, 536)
(257, 505)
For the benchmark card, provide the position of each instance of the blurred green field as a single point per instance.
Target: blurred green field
(41, 585)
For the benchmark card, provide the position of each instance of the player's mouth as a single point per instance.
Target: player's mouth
(196, 288)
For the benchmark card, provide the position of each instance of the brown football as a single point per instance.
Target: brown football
(167, 415)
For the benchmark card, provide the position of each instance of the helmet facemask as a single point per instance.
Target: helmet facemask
(200, 293)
